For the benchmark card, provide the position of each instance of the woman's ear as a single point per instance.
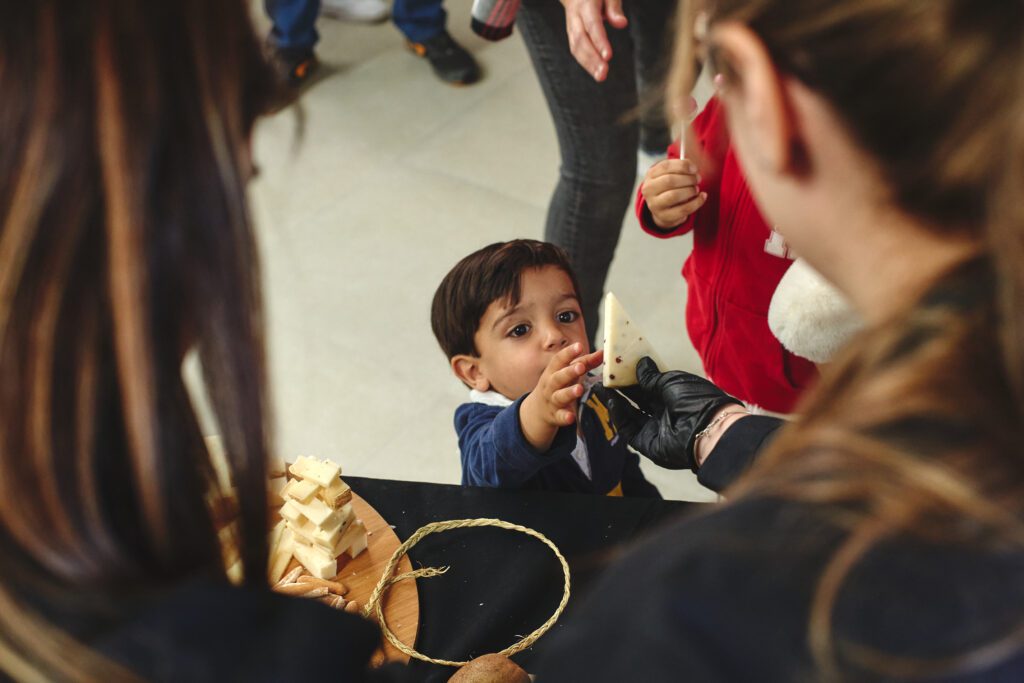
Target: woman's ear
(757, 99)
(467, 368)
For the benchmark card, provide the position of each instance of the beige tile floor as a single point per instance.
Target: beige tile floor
(394, 178)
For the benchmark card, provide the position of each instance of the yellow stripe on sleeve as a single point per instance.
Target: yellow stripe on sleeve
(602, 415)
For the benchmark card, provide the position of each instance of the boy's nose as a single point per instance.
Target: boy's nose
(555, 339)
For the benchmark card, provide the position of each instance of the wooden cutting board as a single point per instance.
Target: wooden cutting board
(401, 602)
(361, 574)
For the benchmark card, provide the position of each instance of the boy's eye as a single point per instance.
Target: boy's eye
(568, 317)
(519, 330)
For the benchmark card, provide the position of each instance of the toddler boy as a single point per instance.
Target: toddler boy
(508, 318)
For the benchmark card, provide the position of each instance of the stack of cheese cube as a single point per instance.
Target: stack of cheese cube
(317, 522)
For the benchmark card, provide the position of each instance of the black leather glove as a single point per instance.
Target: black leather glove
(673, 408)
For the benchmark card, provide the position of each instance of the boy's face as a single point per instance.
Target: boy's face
(516, 344)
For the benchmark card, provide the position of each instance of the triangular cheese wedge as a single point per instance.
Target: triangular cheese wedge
(624, 345)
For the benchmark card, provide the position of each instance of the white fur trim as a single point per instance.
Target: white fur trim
(809, 316)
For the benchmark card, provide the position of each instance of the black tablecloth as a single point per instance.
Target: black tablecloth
(503, 584)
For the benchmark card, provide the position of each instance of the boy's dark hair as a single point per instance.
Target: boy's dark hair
(487, 275)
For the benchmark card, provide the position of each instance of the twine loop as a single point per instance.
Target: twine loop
(375, 606)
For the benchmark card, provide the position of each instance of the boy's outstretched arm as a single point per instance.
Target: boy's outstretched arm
(493, 442)
(552, 403)
(495, 453)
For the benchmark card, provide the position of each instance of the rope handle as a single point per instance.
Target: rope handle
(374, 605)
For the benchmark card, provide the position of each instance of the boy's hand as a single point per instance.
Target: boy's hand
(552, 403)
(671, 191)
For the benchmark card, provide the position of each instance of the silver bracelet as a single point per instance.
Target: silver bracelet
(713, 423)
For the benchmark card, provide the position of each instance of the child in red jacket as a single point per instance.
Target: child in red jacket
(736, 263)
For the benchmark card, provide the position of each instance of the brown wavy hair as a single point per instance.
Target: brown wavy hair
(124, 241)
(916, 431)
(493, 273)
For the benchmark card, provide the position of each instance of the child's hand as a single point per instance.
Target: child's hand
(552, 403)
(671, 191)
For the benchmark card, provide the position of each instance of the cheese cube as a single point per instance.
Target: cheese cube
(359, 543)
(281, 556)
(329, 534)
(316, 561)
(351, 537)
(332, 523)
(339, 519)
(322, 472)
(300, 489)
(337, 494)
(315, 510)
(346, 514)
(291, 512)
(314, 535)
(275, 535)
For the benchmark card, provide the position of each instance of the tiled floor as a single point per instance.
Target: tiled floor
(393, 178)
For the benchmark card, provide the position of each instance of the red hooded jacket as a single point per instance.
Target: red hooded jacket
(731, 274)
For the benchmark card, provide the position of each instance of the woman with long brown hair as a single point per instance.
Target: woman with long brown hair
(881, 535)
(125, 242)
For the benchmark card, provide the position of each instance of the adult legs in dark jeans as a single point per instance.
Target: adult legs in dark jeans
(651, 24)
(598, 133)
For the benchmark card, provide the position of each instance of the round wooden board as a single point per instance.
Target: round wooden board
(362, 573)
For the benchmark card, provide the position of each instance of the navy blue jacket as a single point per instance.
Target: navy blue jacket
(495, 453)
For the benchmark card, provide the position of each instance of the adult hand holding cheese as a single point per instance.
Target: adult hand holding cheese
(674, 410)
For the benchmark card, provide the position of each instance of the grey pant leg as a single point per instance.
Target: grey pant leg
(597, 141)
(651, 25)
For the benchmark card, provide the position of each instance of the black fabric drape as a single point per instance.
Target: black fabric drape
(502, 584)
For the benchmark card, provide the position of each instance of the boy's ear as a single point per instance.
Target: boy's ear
(467, 368)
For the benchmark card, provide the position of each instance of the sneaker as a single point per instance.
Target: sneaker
(450, 61)
(295, 66)
(360, 11)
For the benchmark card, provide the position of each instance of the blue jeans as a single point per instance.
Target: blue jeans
(419, 20)
(294, 23)
(598, 131)
(295, 20)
